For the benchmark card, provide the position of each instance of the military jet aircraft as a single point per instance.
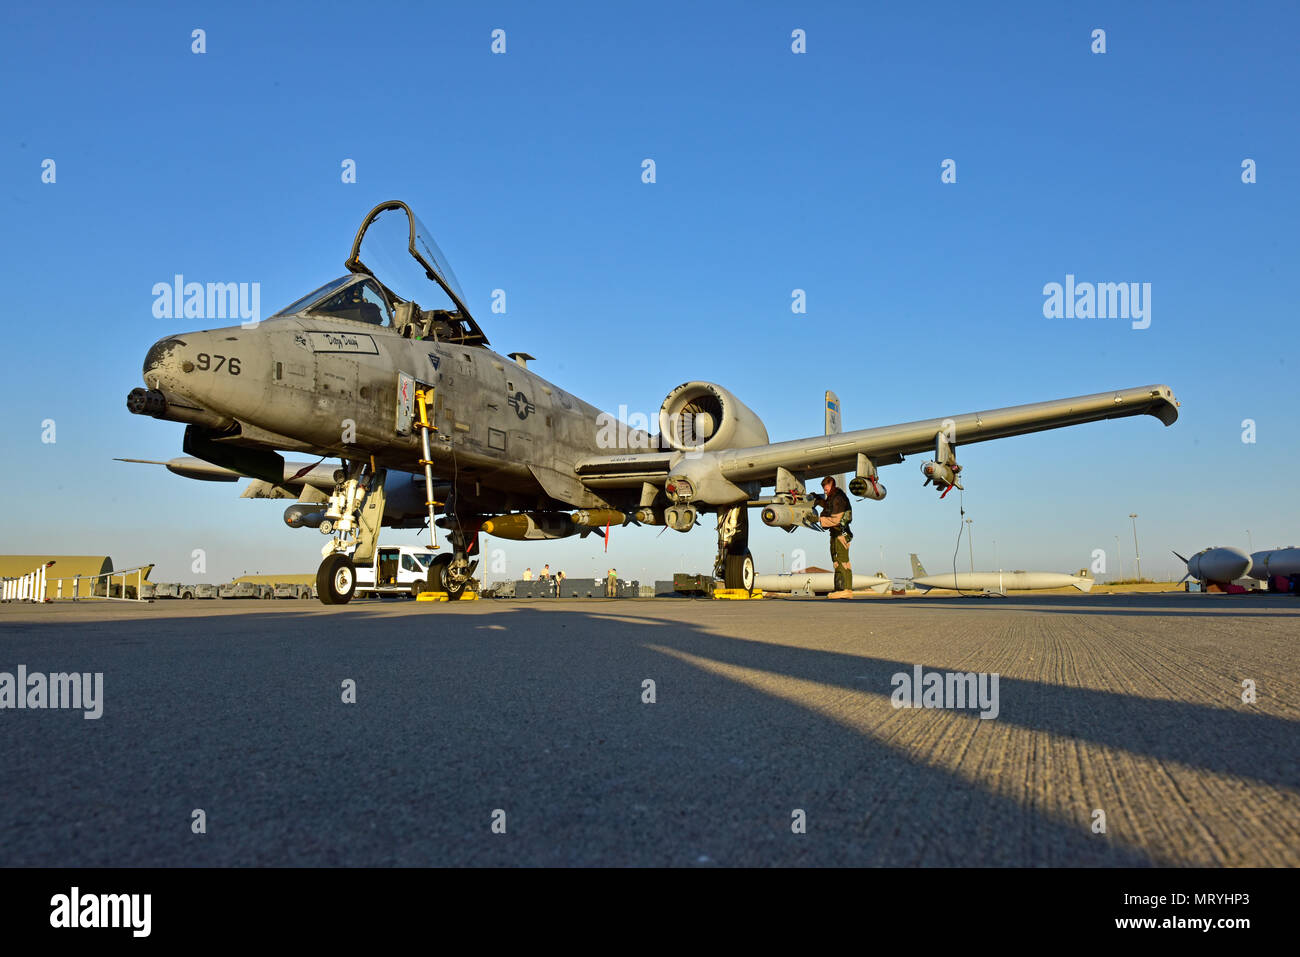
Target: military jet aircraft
(431, 425)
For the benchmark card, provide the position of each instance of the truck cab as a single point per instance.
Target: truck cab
(396, 570)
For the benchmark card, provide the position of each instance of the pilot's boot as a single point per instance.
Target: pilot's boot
(841, 589)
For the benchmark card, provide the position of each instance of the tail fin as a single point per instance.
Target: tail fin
(918, 570)
(1085, 585)
(834, 423)
(1184, 561)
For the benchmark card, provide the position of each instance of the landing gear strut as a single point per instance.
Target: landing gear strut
(354, 517)
(734, 564)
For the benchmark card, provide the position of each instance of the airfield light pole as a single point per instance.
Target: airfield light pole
(1250, 541)
(1137, 553)
(970, 543)
(1119, 559)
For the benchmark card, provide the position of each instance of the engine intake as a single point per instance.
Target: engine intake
(704, 417)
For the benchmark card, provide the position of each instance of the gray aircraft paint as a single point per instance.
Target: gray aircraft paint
(508, 439)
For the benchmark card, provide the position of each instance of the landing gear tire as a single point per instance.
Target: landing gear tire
(336, 580)
(740, 572)
(440, 579)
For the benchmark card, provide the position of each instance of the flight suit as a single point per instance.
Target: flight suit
(838, 503)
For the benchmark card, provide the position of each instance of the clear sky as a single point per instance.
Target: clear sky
(775, 171)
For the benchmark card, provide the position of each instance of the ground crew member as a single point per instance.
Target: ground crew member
(559, 582)
(611, 583)
(528, 574)
(835, 518)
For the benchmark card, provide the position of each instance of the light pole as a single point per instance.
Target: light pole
(970, 543)
(1119, 557)
(1250, 541)
(1137, 553)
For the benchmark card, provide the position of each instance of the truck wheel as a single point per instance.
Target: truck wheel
(336, 580)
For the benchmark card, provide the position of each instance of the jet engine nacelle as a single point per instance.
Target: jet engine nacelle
(704, 417)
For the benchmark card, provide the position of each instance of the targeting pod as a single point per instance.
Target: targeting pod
(789, 517)
(304, 516)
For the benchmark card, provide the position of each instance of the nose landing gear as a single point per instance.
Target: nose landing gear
(336, 580)
(354, 517)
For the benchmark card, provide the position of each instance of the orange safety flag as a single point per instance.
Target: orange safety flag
(607, 536)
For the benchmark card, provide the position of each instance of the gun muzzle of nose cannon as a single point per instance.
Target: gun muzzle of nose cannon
(160, 405)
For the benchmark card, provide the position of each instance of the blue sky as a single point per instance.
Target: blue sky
(775, 171)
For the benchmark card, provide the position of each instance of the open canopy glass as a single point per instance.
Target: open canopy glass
(397, 249)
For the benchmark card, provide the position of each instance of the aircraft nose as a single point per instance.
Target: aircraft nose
(162, 363)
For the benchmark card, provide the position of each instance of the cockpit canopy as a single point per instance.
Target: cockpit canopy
(397, 278)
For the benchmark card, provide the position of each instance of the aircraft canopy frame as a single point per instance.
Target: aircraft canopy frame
(425, 252)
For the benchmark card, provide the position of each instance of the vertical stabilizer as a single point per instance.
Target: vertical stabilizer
(834, 425)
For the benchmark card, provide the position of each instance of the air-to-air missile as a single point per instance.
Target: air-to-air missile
(1275, 561)
(943, 476)
(531, 526)
(1221, 565)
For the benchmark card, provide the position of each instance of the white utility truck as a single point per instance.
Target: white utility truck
(396, 570)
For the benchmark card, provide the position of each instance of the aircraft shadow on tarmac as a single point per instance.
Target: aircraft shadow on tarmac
(537, 711)
(1158, 604)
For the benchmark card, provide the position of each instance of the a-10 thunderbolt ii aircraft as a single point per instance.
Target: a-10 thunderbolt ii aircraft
(430, 425)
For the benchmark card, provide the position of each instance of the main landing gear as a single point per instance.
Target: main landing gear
(451, 574)
(734, 565)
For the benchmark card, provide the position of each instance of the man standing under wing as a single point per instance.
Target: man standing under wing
(835, 518)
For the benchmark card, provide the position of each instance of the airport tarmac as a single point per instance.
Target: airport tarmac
(1125, 704)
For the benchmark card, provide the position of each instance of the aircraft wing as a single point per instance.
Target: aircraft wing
(885, 445)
